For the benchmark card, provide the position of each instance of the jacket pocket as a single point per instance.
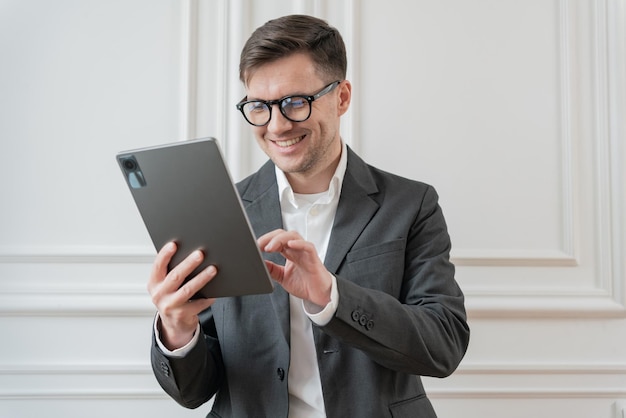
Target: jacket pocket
(375, 250)
(418, 407)
(378, 267)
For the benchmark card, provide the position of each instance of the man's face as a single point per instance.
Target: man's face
(306, 149)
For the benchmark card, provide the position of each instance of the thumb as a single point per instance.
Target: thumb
(276, 271)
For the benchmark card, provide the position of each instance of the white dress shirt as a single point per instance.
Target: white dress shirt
(312, 217)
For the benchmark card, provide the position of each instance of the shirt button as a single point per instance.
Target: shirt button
(314, 211)
(280, 372)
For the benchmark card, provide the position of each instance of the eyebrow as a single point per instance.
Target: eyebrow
(247, 98)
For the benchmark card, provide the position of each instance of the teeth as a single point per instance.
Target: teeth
(289, 142)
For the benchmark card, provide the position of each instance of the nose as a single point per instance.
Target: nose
(278, 122)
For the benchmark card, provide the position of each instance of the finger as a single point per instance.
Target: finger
(276, 271)
(264, 239)
(300, 245)
(298, 250)
(178, 274)
(193, 286)
(159, 267)
(199, 305)
(279, 240)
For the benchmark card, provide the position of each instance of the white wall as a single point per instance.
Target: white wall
(513, 110)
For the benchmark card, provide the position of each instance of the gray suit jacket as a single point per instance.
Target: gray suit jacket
(401, 313)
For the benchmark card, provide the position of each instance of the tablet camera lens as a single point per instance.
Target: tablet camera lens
(129, 164)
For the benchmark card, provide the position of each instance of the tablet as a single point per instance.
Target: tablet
(185, 194)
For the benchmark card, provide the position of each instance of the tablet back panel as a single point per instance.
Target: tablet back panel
(185, 194)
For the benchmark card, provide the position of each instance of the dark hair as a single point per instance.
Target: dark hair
(287, 35)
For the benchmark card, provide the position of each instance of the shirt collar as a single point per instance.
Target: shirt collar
(285, 192)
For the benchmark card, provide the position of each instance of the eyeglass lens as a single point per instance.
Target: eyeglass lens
(294, 108)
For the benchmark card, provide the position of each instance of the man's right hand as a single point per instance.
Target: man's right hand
(177, 311)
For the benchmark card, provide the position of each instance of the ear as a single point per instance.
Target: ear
(344, 97)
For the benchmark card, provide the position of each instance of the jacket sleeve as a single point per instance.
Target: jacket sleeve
(398, 298)
(193, 379)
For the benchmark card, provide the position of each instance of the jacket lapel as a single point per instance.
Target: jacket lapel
(354, 211)
(260, 199)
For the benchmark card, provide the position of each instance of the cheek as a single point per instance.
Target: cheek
(327, 118)
(259, 134)
(330, 125)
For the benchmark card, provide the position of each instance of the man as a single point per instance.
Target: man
(344, 338)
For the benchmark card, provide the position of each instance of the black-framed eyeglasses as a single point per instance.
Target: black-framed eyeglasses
(296, 108)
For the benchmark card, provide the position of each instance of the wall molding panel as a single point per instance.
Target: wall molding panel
(600, 265)
(72, 302)
(486, 381)
(512, 258)
(80, 381)
(60, 281)
(531, 381)
(77, 254)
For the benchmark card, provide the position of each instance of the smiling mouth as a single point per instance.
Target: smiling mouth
(289, 142)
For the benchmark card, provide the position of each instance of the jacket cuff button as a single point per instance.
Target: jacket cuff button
(165, 368)
(356, 315)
